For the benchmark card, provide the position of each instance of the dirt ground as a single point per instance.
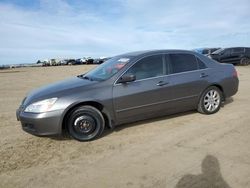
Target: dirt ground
(183, 150)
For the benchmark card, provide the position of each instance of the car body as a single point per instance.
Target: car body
(100, 60)
(46, 62)
(63, 62)
(89, 60)
(39, 63)
(80, 61)
(128, 88)
(206, 51)
(71, 62)
(236, 55)
(54, 62)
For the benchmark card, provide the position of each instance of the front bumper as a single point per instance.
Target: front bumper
(41, 124)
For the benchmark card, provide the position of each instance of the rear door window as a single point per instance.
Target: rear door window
(237, 50)
(182, 63)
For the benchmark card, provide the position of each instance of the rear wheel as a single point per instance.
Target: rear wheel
(85, 123)
(244, 61)
(210, 100)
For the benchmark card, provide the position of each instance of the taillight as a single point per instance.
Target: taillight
(235, 74)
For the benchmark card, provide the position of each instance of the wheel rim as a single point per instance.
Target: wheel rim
(212, 100)
(84, 125)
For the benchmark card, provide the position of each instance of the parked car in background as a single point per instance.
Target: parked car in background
(128, 88)
(236, 56)
(53, 62)
(71, 62)
(63, 62)
(89, 60)
(46, 62)
(100, 60)
(80, 61)
(205, 51)
(4, 67)
(37, 64)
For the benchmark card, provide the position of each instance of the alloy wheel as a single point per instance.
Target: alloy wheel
(212, 100)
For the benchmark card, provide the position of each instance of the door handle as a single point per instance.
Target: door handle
(162, 83)
(203, 75)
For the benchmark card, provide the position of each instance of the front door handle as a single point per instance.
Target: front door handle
(162, 83)
(203, 75)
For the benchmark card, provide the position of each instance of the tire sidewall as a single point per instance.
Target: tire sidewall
(89, 111)
(201, 102)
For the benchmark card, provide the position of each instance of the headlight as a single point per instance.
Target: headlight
(41, 106)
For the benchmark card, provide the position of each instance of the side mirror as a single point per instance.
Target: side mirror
(127, 78)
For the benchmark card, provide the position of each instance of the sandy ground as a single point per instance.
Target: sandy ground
(184, 150)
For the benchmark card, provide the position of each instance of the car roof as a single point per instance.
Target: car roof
(236, 47)
(149, 52)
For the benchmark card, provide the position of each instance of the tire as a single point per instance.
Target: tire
(210, 101)
(244, 61)
(85, 123)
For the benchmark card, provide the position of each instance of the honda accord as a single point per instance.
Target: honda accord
(127, 88)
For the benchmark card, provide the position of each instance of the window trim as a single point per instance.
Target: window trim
(186, 72)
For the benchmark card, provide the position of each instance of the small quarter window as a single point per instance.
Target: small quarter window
(201, 64)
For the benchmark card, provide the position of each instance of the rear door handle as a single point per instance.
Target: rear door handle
(162, 83)
(203, 75)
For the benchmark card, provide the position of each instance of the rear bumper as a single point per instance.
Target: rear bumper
(41, 124)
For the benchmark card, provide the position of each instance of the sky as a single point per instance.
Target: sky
(32, 30)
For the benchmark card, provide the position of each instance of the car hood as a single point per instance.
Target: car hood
(56, 89)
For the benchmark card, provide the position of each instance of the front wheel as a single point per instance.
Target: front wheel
(210, 101)
(85, 123)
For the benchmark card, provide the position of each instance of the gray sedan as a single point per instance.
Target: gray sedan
(128, 88)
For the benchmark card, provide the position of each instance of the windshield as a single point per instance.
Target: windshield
(108, 68)
(218, 51)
